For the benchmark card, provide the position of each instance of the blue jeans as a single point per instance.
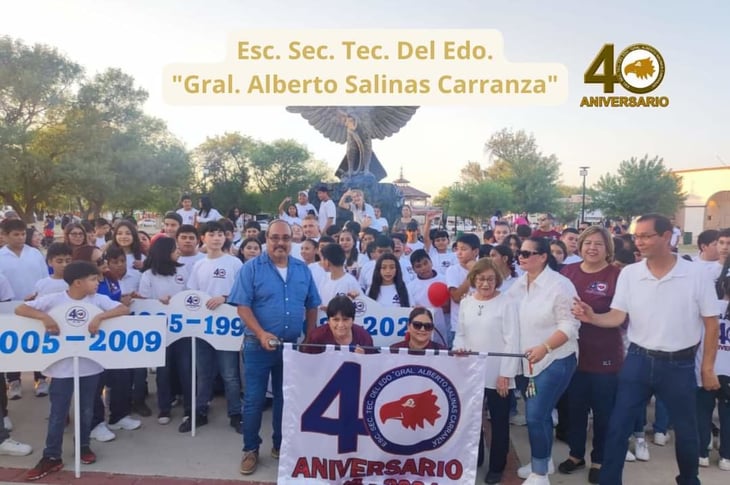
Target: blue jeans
(60, 393)
(705, 405)
(259, 364)
(661, 416)
(178, 368)
(209, 363)
(673, 381)
(550, 385)
(590, 391)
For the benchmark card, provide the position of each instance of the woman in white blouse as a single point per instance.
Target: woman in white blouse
(488, 323)
(549, 339)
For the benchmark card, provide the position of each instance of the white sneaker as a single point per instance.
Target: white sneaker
(724, 464)
(41, 388)
(127, 423)
(7, 424)
(554, 415)
(14, 448)
(641, 450)
(518, 420)
(630, 456)
(102, 433)
(526, 471)
(535, 479)
(15, 391)
(660, 439)
(704, 461)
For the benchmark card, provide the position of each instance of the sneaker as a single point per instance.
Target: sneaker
(724, 464)
(127, 423)
(630, 456)
(660, 439)
(163, 417)
(7, 424)
(87, 456)
(641, 450)
(248, 462)
(236, 423)
(526, 471)
(187, 424)
(275, 453)
(704, 461)
(102, 433)
(141, 409)
(518, 420)
(554, 415)
(15, 448)
(594, 475)
(569, 466)
(535, 479)
(15, 391)
(44, 467)
(41, 388)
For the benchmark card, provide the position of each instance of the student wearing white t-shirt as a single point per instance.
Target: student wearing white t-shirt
(388, 287)
(187, 242)
(467, 251)
(338, 282)
(83, 280)
(206, 213)
(186, 211)
(57, 257)
(327, 210)
(436, 244)
(215, 276)
(304, 207)
(288, 212)
(419, 287)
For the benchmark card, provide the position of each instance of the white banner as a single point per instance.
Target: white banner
(385, 419)
(385, 324)
(121, 343)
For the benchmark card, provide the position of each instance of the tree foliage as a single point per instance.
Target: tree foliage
(639, 187)
(479, 199)
(517, 163)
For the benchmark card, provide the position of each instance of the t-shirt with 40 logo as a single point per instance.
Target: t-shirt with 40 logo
(214, 276)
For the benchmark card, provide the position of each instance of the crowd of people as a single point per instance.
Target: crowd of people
(604, 320)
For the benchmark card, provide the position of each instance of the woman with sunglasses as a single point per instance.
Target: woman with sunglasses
(548, 338)
(488, 323)
(419, 332)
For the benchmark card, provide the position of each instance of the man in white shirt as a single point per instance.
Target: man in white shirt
(327, 209)
(670, 302)
(304, 207)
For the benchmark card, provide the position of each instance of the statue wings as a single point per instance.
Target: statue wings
(375, 122)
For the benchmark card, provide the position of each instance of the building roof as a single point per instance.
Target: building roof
(411, 193)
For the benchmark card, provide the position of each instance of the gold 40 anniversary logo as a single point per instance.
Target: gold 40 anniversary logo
(639, 69)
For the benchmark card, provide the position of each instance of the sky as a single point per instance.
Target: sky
(142, 36)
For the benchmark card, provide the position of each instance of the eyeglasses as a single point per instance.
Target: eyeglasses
(527, 254)
(490, 280)
(277, 238)
(428, 326)
(644, 237)
(75, 233)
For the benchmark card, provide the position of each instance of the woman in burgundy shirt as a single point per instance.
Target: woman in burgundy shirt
(601, 352)
(419, 332)
(340, 329)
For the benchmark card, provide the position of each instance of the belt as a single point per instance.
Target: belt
(684, 354)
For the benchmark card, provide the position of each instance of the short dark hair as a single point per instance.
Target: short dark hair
(523, 230)
(212, 226)
(662, 223)
(723, 233)
(325, 239)
(625, 256)
(174, 216)
(187, 228)
(58, 249)
(439, 234)
(100, 221)
(333, 230)
(707, 237)
(341, 304)
(227, 225)
(252, 225)
(569, 230)
(419, 255)
(77, 270)
(334, 254)
(471, 240)
(488, 234)
(383, 241)
(484, 250)
(114, 252)
(399, 236)
(10, 225)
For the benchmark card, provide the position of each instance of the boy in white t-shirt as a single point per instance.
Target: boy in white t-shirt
(425, 277)
(187, 243)
(83, 280)
(338, 282)
(186, 211)
(436, 244)
(215, 275)
(58, 257)
(467, 251)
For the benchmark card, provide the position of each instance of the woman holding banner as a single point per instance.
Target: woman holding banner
(548, 337)
(340, 329)
(488, 323)
(419, 332)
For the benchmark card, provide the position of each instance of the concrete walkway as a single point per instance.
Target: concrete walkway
(160, 455)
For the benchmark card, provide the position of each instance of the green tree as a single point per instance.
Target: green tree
(36, 86)
(479, 199)
(532, 177)
(639, 187)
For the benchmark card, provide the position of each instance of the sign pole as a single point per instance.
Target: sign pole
(77, 419)
(193, 390)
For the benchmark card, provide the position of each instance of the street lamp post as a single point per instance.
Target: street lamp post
(583, 173)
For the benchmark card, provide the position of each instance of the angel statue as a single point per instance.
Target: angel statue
(357, 126)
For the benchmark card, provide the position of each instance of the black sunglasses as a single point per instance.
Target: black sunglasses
(527, 254)
(422, 325)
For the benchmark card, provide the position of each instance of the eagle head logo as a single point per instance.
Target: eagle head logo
(412, 410)
(643, 68)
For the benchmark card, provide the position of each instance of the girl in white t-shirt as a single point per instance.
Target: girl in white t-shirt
(127, 239)
(353, 258)
(206, 212)
(388, 287)
(249, 249)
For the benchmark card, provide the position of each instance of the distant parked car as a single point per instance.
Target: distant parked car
(148, 223)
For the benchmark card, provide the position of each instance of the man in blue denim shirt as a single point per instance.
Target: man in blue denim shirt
(274, 293)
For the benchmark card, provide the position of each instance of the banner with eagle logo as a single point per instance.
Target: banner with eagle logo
(385, 419)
